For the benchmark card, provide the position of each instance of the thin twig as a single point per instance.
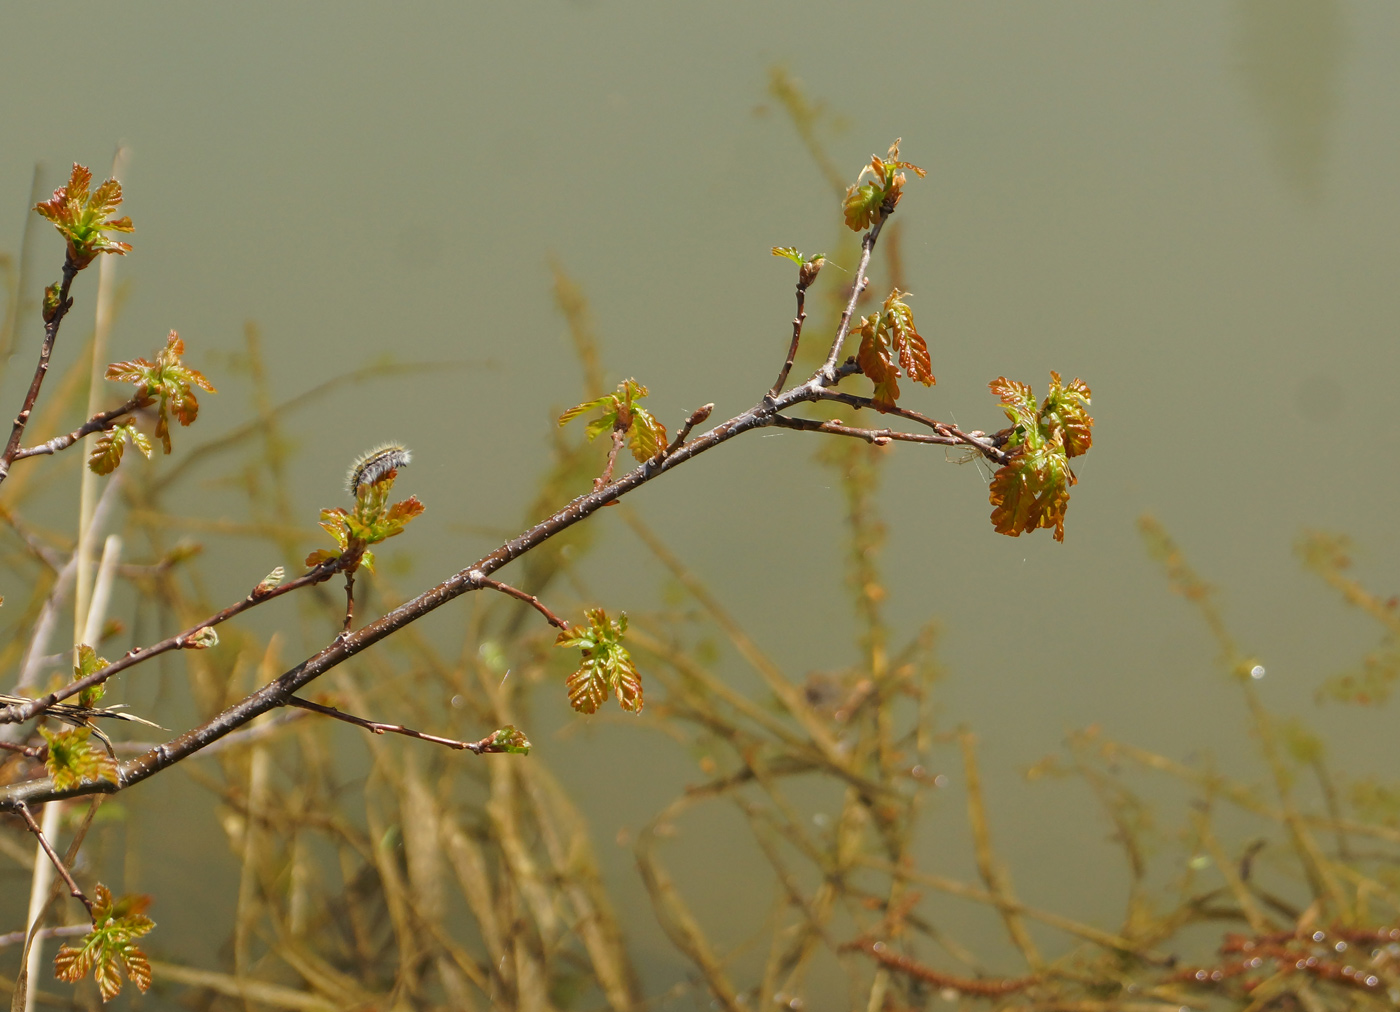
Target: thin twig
(349, 600)
(980, 441)
(797, 322)
(19, 714)
(485, 745)
(32, 751)
(877, 437)
(97, 423)
(65, 931)
(520, 595)
(696, 417)
(70, 271)
(827, 372)
(602, 481)
(58, 864)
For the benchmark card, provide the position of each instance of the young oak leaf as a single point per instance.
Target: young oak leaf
(912, 349)
(1032, 490)
(867, 203)
(167, 380)
(107, 452)
(606, 665)
(110, 948)
(876, 363)
(86, 662)
(72, 759)
(374, 520)
(1019, 404)
(646, 437)
(81, 217)
(889, 341)
(861, 207)
(1065, 408)
(808, 267)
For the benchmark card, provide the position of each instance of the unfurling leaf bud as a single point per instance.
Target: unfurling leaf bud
(51, 301)
(203, 639)
(509, 739)
(808, 266)
(270, 582)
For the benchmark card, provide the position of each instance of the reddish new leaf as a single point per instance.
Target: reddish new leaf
(1017, 401)
(876, 363)
(402, 512)
(1032, 491)
(898, 318)
(1065, 407)
(888, 342)
(587, 687)
(861, 206)
(110, 947)
(108, 449)
(372, 521)
(106, 453)
(606, 664)
(81, 218)
(167, 379)
(865, 203)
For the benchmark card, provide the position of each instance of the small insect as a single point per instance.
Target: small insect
(374, 465)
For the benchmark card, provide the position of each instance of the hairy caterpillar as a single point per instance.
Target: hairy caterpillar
(373, 465)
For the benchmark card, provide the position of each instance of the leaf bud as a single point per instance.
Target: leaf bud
(509, 739)
(203, 638)
(270, 582)
(51, 302)
(809, 271)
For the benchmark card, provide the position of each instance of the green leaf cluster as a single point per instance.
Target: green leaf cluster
(81, 217)
(86, 662)
(889, 341)
(110, 948)
(1032, 489)
(867, 203)
(646, 437)
(606, 666)
(72, 759)
(168, 381)
(372, 521)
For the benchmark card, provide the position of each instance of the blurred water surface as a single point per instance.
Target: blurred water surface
(1193, 206)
